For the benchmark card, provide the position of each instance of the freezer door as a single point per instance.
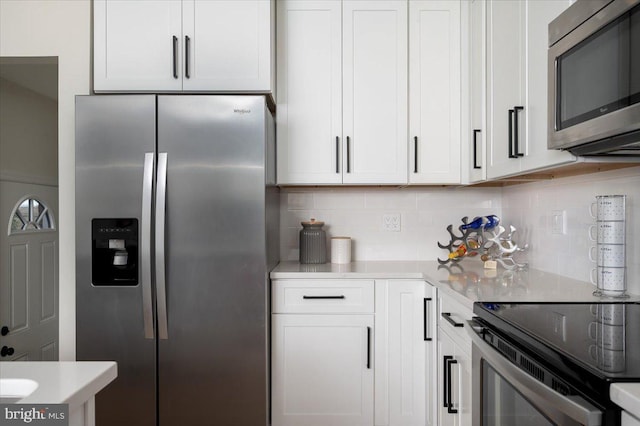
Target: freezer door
(114, 319)
(212, 361)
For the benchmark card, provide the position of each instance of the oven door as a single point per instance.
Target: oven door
(503, 394)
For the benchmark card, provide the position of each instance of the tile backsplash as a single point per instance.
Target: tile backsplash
(425, 213)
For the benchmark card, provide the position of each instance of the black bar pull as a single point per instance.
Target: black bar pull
(445, 381)
(475, 149)
(368, 347)
(516, 135)
(337, 154)
(425, 318)
(324, 297)
(447, 316)
(175, 57)
(187, 49)
(415, 154)
(348, 155)
(450, 408)
(511, 154)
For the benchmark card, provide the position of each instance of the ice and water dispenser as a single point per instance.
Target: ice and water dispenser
(114, 252)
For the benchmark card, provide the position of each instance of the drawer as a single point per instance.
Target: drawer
(322, 296)
(453, 319)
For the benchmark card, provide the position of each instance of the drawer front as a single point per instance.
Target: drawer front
(322, 296)
(453, 319)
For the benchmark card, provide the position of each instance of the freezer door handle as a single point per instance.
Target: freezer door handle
(145, 245)
(161, 203)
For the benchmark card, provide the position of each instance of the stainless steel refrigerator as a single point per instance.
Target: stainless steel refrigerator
(176, 232)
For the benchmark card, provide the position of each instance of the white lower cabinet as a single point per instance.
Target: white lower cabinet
(338, 359)
(454, 364)
(629, 420)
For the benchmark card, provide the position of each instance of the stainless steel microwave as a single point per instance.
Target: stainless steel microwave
(594, 78)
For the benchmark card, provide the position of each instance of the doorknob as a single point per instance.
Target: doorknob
(6, 351)
(4, 330)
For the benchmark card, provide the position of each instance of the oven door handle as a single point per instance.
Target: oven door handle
(560, 408)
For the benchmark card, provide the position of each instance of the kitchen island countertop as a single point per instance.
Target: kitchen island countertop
(467, 281)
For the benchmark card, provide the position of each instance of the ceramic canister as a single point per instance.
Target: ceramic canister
(340, 250)
(313, 242)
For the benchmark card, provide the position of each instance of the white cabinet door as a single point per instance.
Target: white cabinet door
(454, 380)
(405, 353)
(539, 14)
(227, 45)
(309, 95)
(137, 45)
(434, 91)
(478, 79)
(322, 370)
(375, 92)
(506, 80)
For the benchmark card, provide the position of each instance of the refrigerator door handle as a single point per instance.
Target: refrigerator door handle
(161, 202)
(145, 245)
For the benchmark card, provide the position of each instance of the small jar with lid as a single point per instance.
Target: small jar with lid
(313, 242)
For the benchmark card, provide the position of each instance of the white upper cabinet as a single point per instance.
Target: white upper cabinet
(375, 92)
(478, 100)
(309, 97)
(342, 92)
(190, 45)
(137, 45)
(434, 91)
(517, 86)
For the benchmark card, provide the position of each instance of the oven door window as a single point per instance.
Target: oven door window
(503, 405)
(601, 74)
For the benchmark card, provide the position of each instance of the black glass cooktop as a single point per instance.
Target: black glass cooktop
(591, 343)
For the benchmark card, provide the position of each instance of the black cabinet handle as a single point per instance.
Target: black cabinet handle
(337, 154)
(4, 330)
(6, 351)
(447, 316)
(511, 154)
(516, 149)
(475, 149)
(449, 405)
(415, 154)
(324, 297)
(187, 49)
(425, 317)
(348, 155)
(445, 381)
(368, 347)
(175, 57)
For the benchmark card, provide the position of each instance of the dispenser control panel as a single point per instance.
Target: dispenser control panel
(114, 252)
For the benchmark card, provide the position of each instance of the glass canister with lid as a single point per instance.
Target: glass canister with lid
(313, 242)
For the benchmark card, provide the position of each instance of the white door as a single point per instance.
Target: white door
(446, 353)
(539, 14)
(322, 370)
(434, 91)
(309, 92)
(374, 92)
(506, 56)
(227, 45)
(29, 272)
(478, 78)
(137, 45)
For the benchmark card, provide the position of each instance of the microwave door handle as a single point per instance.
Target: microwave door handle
(161, 289)
(145, 245)
(516, 135)
(554, 405)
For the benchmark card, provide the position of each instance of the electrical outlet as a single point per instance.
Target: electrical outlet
(391, 222)
(558, 222)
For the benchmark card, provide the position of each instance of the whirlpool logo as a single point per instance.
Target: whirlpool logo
(241, 111)
(36, 414)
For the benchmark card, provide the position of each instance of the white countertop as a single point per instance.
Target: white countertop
(61, 382)
(627, 396)
(466, 281)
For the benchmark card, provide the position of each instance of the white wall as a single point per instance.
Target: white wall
(63, 29)
(29, 135)
(358, 213)
(529, 207)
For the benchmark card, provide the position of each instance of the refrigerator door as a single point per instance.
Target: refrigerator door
(212, 363)
(114, 317)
